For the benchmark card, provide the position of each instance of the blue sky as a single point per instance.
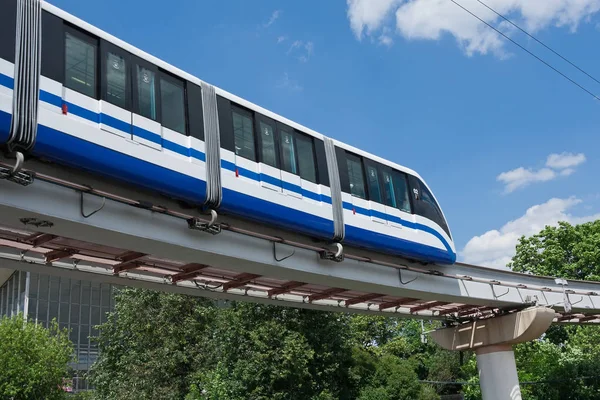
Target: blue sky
(417, 82)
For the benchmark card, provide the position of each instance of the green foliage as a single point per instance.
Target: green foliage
(150, 345)
(394, 379)
(565, 251)
(265, 352)
(567, 355)
(33, 360)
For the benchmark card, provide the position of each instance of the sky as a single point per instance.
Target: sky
(506, 144)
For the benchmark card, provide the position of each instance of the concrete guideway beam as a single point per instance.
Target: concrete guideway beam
(146, 232)
(492, 340)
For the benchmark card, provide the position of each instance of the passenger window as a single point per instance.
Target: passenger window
(288, 154)
(388, 189)
(243, 134)
(116, 80)
(146, 93)
(355, 176)
(306, 158)
(172, 104)
(268, 149)
(373, 182)
(401, 191)
(80, 65)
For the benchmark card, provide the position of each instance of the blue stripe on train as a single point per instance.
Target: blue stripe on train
(82, 154)
(263, 211)
(376, 241)
(52, 144)
(398, 220)
(7, 81)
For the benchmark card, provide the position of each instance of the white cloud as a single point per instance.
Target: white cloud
(521, 177)
(495, 248)
(431, 19)
(567, 172)
(281, 39)
(386, 40)
(274, 17)
(368, 15)
(289, 84)
(305, 50)
(296, 44)
(565, 160)
(556, 165)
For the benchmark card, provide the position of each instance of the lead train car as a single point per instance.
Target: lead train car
(103, 106)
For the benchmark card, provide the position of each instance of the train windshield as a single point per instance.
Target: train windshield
(426, 206)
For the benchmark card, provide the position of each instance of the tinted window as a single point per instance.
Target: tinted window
(288, 154)
(116, 79)
(373, 182)
(243, 134)
(428, 198)
(426, 206)
(268, 150)
(388, 189)
(172, 104)
(146, 92)
(395, 190)
(306, 158)
(80, 65)
(401, 191)
(355, 175)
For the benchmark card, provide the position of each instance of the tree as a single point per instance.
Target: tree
(151, 345)
(566, 251)
(564, 364)
(167, 346)
(394, 379)
(266, 352)
(34, 361)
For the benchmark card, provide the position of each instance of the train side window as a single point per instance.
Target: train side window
(389, 192)
(172, 103)
(355, 175)
(288, 152)
(146, 92)
(306, 158)
(401, 191)
(373, 184)
(116, 79)
(268, 144)
(80, 63)
(243, 133)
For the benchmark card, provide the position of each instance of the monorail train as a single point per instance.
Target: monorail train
(75, 95)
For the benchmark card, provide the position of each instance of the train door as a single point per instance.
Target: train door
(396, 194)
(269, 173)
(358, 187)
(377, 209)
(115, 103)
(290, 175)
(307, 167)
(146, 125)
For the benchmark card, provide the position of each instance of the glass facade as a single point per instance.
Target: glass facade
(78, 306)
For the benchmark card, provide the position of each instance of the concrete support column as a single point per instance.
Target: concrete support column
(498, 373)
(492, 341)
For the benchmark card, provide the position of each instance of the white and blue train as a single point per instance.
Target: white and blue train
(75, 95)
